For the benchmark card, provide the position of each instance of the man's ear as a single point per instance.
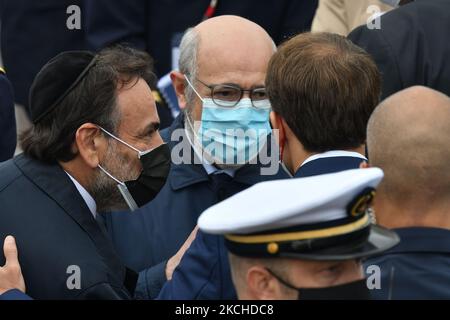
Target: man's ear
(277, 124)
(262, 285)
(90, 144)
(179, 85)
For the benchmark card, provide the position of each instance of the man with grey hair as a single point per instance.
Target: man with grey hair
(220, 87)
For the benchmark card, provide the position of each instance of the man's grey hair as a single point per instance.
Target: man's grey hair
(188, 59)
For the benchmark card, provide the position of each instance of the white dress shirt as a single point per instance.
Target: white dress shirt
(90, 202)
(334, 153)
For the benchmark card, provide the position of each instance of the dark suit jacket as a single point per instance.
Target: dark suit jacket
(8, 136)
(33, 32)
(204, 272)
(151, 24)
(417, 268)
(412, 46)
(54, 229)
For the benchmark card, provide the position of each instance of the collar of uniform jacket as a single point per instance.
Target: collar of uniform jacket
(329, 162)
(421, 240)
(184, 175)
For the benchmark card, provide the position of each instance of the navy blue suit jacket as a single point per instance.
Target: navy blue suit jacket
(417, 268)
(151, 235)
(55, 232)
(8, 136)
(14, 295)
(412, 46)
(204, 271)
(33, 32)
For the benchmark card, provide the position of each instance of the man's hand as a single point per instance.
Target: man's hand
(175, 260)
(11, 274)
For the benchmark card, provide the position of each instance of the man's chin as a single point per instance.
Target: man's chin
(232, 166)
(113, 207)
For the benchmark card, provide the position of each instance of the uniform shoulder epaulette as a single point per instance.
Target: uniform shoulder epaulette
(2, 71)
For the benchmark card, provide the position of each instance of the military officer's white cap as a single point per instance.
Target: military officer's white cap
(303, 217)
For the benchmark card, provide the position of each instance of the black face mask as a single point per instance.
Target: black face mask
(356, 290)
(155, 169)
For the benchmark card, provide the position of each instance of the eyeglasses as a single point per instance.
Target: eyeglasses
(228, 95)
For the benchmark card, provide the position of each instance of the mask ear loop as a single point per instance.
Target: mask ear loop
(120, 140)
(192, 87)
(110, 175)
(282, 143)
(123, 190)
(196, 145)
(281, 280)
(139, 152)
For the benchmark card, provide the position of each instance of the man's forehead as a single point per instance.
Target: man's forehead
(244, 56)
(137, 105)
(238, 66)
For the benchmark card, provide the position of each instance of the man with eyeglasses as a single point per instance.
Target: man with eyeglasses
(321, 103)
(218, 145)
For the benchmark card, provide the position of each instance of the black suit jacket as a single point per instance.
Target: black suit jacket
(8, 136)
(412, 47)
(33, 32)
(54, 230)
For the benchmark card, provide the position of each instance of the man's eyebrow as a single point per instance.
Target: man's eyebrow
(256, 86)
(153, 126)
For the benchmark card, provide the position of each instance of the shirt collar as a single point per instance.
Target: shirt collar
(90, 202)
(334, 153)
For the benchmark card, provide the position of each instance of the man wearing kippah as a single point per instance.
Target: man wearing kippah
(301, 238)
(94, 147)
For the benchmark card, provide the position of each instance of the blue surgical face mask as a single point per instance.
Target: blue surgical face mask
(232, 136)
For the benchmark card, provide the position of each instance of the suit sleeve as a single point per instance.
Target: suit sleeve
(8, 137)
(14, 295)
(150, 282)
(375, 43)
(115, 21)
(203, 272)
(104, 291)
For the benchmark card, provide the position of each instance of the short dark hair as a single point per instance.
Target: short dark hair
(92, 100)
(325, 88)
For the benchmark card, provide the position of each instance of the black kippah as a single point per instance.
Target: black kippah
(56, 80)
